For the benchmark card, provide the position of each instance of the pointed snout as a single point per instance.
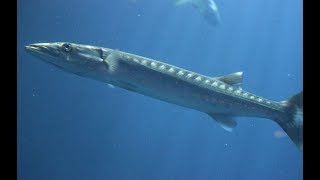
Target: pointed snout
(42, 49)
(32, 47)
(37, 46)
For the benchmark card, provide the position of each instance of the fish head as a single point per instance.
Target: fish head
(67, 56)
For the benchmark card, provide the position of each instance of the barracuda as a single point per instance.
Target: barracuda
(219, 97)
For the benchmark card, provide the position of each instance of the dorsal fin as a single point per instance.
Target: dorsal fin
(234, 79)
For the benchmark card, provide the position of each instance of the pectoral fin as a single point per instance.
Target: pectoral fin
(225, 121)
(110, 60)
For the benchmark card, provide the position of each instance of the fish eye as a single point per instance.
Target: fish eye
(67, 47)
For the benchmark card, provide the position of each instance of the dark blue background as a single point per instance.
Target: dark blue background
(70, 127)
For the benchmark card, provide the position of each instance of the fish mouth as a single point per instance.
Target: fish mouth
(42, 49)
(36, 49)
(32, 48)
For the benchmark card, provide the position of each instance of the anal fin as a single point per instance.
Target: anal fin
(225, 121)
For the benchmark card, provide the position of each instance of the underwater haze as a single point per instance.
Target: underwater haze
(74, 128)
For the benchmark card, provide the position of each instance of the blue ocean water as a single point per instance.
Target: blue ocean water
(70, 127)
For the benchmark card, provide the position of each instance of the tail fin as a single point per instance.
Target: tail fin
(292, 122)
